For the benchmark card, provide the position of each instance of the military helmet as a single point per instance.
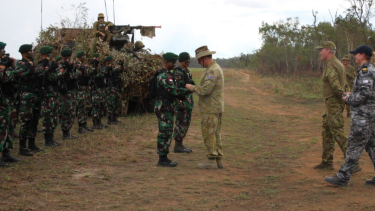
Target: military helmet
(139, 45)
(101, 15)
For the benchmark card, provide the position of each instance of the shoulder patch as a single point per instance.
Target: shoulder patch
(364, 70)
(210, 77)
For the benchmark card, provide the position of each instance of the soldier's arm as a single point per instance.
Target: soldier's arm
(365, 82)
(208, 84)
(334, 81)
(95, 28)
(167, 82)
(178, 76)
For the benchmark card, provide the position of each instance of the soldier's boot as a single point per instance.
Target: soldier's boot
(101, 125)
(49, 142)
(180, 148)
(219, 162)
(54, 141)
(32, 146)
(370, 181)
(114, 119)
(87, 128)
(95, 125)
(165, 162)
(3, 163)
(110, 121)
(336, 181)
(7, 157)
(209, 164)
(23, 150)
(357, 169)
(68, 135)
(324, 166)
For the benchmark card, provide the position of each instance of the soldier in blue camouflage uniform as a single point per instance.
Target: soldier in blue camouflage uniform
(7, 91)
(83, 94)
(184, 105)
(30, 101)
(167, 92)
(362, 127)
(98, 92)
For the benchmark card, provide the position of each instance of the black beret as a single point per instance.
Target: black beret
(25, 48)
(170, 57)
(45, 50)
(66, 52)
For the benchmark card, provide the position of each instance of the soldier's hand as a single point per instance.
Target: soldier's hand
(187, 86)
(106, 28)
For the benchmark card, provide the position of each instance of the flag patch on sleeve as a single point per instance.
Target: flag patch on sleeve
(210, 77)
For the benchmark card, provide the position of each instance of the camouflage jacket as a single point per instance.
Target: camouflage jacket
(362, 99)
(333, 78)
(180, 80)
(211, 90)
(30, 77)
(112, 75)
(350, 75)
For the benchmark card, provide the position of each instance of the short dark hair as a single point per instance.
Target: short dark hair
(368, 58)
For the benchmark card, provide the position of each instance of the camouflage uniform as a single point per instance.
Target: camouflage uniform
(83, 94)
(184, 106)
(164, 108)
(333, 120)
(362, 127)
(211, 107)
(113, 92)
(350, 75)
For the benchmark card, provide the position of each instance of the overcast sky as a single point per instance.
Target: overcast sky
(227, 26)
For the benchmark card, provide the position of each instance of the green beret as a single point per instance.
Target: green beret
(25, 48)
(108, 58)
(80, 54)
(45, 50)
(66, 52)
(7, 54)
(96, 55)
(2, 45)
(58, 58)
(170, 57)
(183, 56)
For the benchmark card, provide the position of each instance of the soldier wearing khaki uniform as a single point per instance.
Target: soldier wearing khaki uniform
(211, 106)
(101, 30)
(350, 75)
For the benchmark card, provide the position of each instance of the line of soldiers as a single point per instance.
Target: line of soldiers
(50, 89)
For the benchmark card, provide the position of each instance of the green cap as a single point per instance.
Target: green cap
(2, 45)
(96, 55)
(66, 52)
(347, 58)
(25, 48)
(7, 54)
(327, 44)
(80, 54)
(170, 57)
(108, 58)
(45, 50)
(183, 56)
(58, 58)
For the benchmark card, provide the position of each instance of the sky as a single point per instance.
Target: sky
(229, 27)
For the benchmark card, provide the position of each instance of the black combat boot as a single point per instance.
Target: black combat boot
(6, 157)
(67, 135)
(180, 148)
(83, 128)
(54, 141)
(165, 162)
(87, 128)
(101, 125)
(49, 142)
(324, 166)
(336, 181)
(95, 125)
(114, 119)
(110, 121)
(3, 163)
(33, 147)
(23, 150)
(370, 181)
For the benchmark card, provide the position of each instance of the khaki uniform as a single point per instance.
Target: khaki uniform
(350, 75)
(100, 27)
(211, 107)
(334, 81)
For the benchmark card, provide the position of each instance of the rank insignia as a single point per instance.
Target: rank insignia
(364, 70)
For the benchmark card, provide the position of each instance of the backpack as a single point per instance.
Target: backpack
(152, 85)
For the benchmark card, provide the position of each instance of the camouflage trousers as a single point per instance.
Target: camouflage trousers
(165, 123)
(68, 110)
(113, 102)
(183, 118)
(50, 113)
(6, 123)
(211, 127)
(362, 136)
(29, 115)
(98, 103)
(83, 99)
(347, 107)
(333, 128)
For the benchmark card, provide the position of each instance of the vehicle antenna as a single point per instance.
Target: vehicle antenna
(106, 13)
(114, 19)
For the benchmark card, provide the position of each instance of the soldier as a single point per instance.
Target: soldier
(350, 75)
(185, 105)
(49, 84)
(362, 102)
(101, 30)
(7, 91)
(138, 46)
(83, 93)
(30, 101)
(113, 89)
(167, 92)
(68, 92)
(98, 93)
(211, 106)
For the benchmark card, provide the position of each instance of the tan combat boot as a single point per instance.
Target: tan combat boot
(209, 164)
(219, 162)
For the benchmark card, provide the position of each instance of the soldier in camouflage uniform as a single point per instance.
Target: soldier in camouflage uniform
(58, 98)
(83, 94)
(30, 101)
(185, 105)
(167, 91)
(101, 30)
(113, 89)
(211, 106)
(98, 93)
(7, 91)
(350, 75)
(49, 83)
(334, 82)
(68, 90)
(362, 130)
